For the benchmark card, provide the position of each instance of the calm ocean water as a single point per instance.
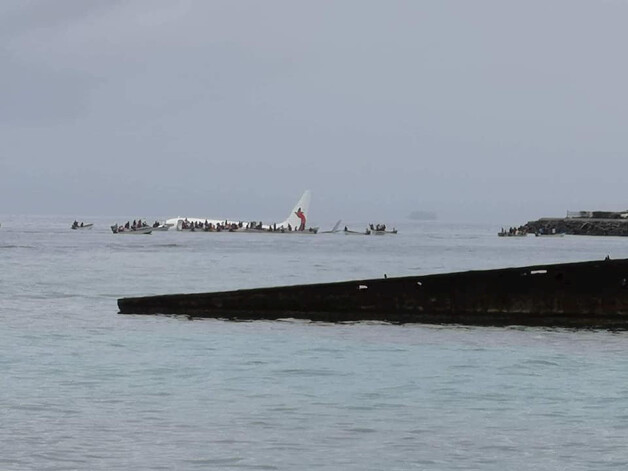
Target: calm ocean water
(86, 388)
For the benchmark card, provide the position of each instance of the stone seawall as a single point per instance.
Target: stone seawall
(580, 226)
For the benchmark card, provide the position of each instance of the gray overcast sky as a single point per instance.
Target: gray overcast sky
(501, 111)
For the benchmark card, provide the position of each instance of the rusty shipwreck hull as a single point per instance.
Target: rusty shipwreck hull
(586, 294)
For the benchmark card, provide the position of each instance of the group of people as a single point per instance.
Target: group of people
(210, 227)
(207, 226)
(274, 228)
(134, 226)
(76, 225)
(513, 231)
(372, 229)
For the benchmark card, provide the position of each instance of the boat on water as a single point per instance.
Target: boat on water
(548, 232)
(380, 229)
(78, 226)
(371, 230)
(161, 227)
(116, 229)
(348, 231)
(382, 232)
(512, 234)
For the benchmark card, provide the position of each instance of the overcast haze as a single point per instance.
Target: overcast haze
(498, 111)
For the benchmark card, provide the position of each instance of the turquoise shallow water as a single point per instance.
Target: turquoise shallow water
(87, 388)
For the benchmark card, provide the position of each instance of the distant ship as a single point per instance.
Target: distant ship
(422, 216)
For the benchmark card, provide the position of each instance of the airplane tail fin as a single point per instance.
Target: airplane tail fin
(299, 214)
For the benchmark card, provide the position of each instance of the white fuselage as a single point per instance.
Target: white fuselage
(294, 220)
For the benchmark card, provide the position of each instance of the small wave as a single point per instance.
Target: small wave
(366, 322)
(540, 363)
(361, 430)
(293, 320)
(214, 461)
(308, 372)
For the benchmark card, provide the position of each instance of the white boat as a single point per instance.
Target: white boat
(77, 226)
(380, 232)
(138, 230)
(161, 227)
(380, 229)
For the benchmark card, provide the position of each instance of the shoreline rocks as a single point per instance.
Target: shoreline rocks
(579, 226)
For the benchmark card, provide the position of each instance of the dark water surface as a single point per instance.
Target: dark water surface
(86, 388)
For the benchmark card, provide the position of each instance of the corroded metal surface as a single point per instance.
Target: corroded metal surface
(585, 294)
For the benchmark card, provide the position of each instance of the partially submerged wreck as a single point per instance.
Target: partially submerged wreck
(590, 294)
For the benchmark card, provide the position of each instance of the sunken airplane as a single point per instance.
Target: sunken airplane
(295, 223)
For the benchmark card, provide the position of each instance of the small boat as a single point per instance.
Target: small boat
(161, 227)
(555, 234)
(380, 229)
(138, 230)
(380, 232)
(347, 231)
(76, 226)
(512, 234)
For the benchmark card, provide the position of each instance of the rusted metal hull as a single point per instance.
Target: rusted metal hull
(585, 294)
